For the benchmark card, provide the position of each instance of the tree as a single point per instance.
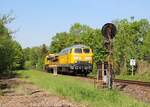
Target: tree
(26, 53)
(18, 56)
(80, 34)
(34, 57)
(59, 42)
(127, 42)
(43, 52)
(11, 54)
(6, 58)
(131, 41)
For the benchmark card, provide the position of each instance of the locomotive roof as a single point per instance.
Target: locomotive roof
(75, 46)
(79, 46)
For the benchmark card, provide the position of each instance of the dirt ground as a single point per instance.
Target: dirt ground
(18, 93)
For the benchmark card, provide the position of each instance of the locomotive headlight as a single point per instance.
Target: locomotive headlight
(88, 58)
(77, 58)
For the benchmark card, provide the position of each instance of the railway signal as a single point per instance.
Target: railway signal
(109, 31)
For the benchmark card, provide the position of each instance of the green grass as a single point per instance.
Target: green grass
(79, 91)
(141, 77)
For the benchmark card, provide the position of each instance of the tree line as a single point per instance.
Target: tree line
(132, 41)
(34, 57)
(12, 56)
(11, 52)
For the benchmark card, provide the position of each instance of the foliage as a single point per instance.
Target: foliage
(80, 34)
(11, 56)
(142, 77)
(131, 41)
(143, 73)
(80, 91)
(34, 57)
(6, 57)
(18, 59)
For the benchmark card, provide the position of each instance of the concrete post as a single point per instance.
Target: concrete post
(55, 70)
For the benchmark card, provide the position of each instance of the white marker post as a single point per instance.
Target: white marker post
(55, 70)
(132, 63)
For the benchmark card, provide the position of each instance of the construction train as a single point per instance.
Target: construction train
(77, 59)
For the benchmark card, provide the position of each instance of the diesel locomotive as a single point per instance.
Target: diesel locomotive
(77, 59)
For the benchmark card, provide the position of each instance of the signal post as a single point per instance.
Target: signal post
(108, 31)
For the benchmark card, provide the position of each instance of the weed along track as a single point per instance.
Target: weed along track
(137, 89)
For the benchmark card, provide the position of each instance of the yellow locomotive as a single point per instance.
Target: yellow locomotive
(77, 59)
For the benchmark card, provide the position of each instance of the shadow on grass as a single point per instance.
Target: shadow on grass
(10, 75)
(7, 79)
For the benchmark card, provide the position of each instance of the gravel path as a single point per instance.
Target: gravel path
(18, 93)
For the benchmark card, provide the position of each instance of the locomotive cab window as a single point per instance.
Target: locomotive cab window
(48, 58)
(78, 50)
(86, 50)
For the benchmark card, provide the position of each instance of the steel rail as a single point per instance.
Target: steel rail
(142, 83)
(132, 82)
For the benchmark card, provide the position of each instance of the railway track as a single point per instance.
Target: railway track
(121, 81)
(141, 83)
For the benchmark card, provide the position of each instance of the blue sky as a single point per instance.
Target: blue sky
(37, 21)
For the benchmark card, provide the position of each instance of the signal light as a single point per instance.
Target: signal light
(109, 31)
